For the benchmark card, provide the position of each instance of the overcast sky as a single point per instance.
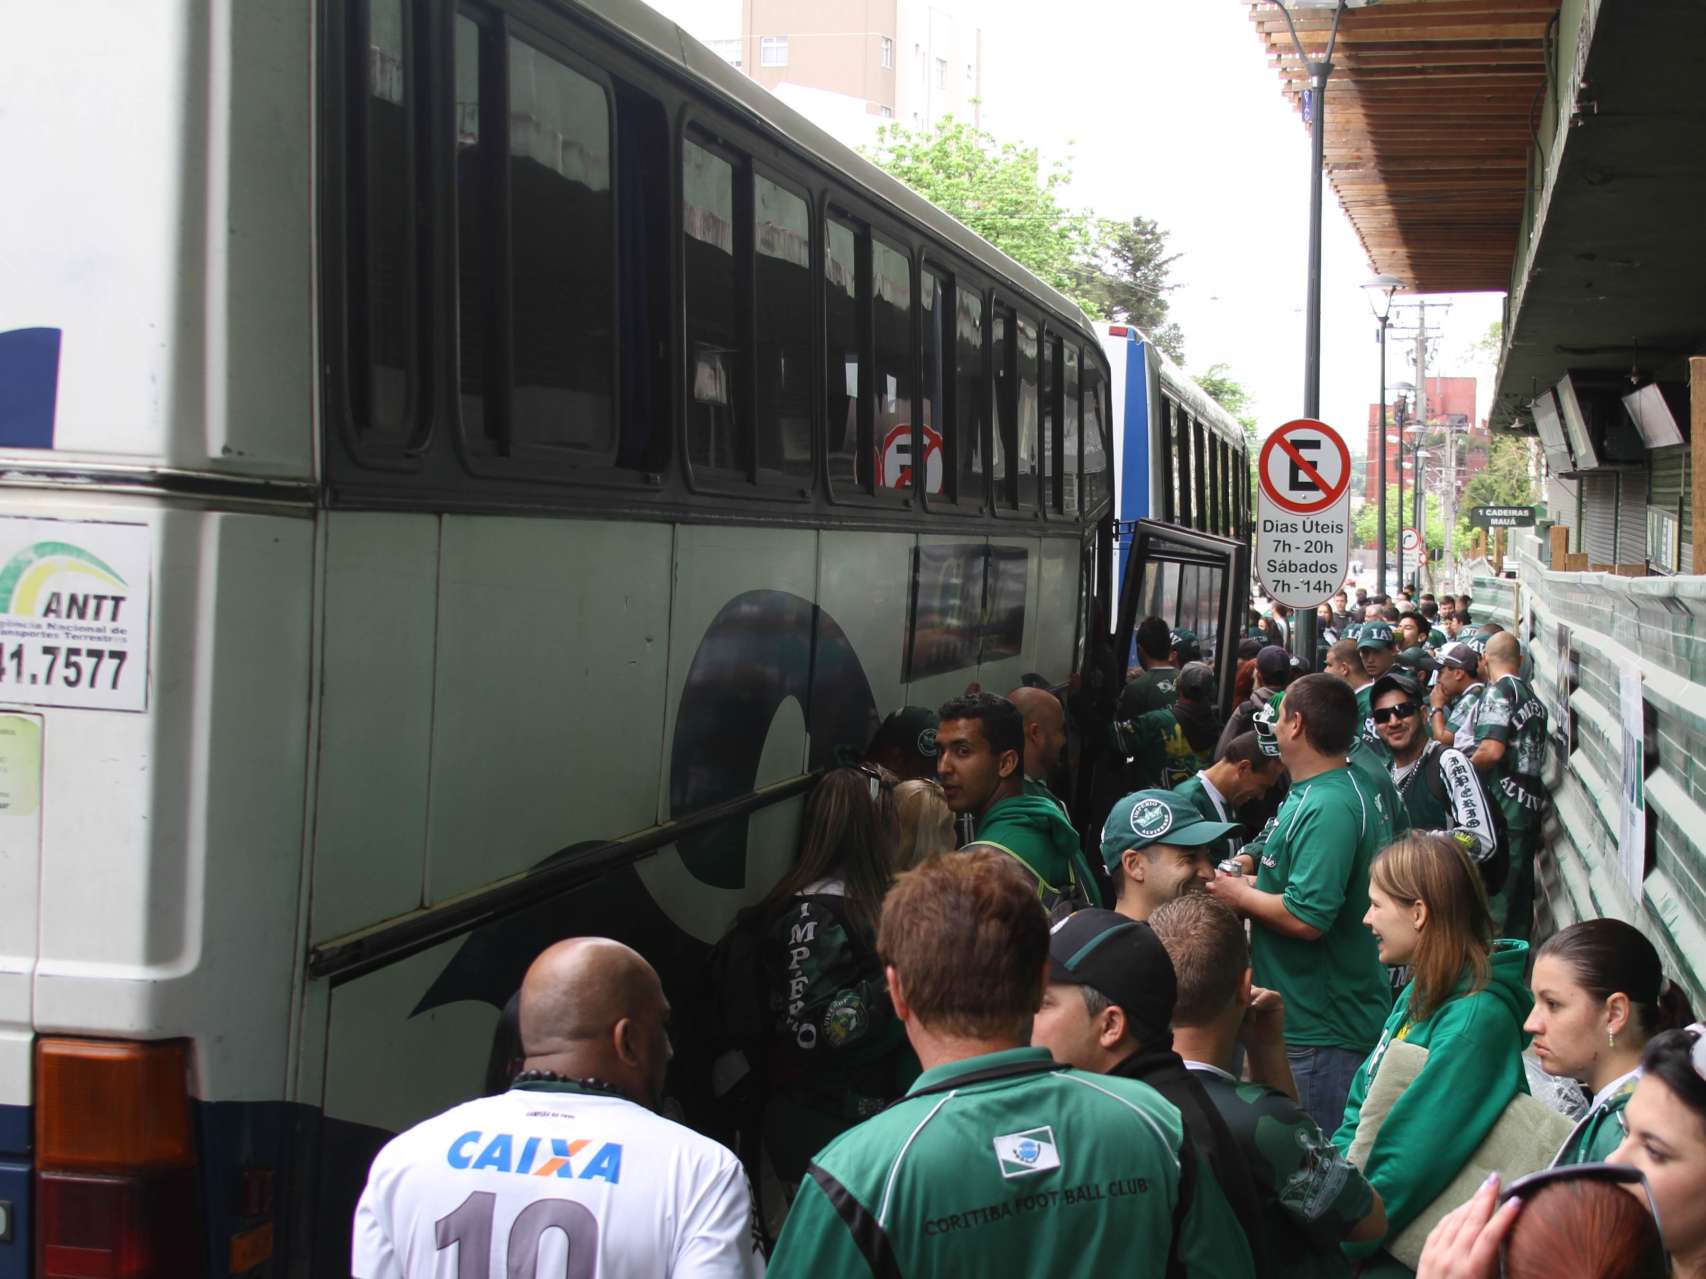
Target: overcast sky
(1171, 111)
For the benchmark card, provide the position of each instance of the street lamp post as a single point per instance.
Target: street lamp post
(1304, 630)
(1382, 287)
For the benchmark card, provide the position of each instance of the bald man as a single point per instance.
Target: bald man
(1045, 738)
(572, 1162)
(1510, 754)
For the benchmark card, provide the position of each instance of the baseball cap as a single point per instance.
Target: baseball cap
(1478, 642)
(1185, 642)
(1460, 657)
(1195, 682)
(1375, 635)
(911, 729)
(1417, 659)
(1275, 665)
(1248, 647)
(1124, 960)
(1148, 817)
(1400, 680)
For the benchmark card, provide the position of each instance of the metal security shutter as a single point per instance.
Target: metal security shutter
(1631, 518)
(1665, 481)
(1561, 502)
(1599, 517)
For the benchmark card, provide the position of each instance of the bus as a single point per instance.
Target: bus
(1181, 499)
(468, 467)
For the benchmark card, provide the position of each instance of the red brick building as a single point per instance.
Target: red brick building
(1450, 403)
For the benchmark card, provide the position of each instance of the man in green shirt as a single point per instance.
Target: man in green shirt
(1510, 753)
(1378, 651)
(1153, 689)
(1244, 773)
(1000, 1161)
(1310, 894)
(980, 746)
(1311, 1198)
(1455, 702)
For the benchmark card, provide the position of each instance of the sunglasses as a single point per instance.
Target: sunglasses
(1401, 711)
(1527, 1187)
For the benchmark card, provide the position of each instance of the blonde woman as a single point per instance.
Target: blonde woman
(926, 823)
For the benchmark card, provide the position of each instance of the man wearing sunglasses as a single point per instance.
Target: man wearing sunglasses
(1438, 785)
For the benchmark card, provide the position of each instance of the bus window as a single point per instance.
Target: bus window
(971, 395)
(936, 295)
(715, 427)
(1004, 440)
(562, 270)
(1030, 401)
(645, 228)
(846, 342)
(891, 270)
(1215, 505)
(1049, 417)
(1071, 435)
(381, 225)
(1199, 470)
(473, 218)
(782, 259)
(1096, 486)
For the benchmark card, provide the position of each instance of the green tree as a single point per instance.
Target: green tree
(1367, 524)
(1126, 276)
(1000, 190)
(1507, 480)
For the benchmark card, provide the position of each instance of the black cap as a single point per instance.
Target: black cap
(1276, 666)
(910, 730)
(1460, 657)
(1403, 681)
(1195, 682)
(1124, 960)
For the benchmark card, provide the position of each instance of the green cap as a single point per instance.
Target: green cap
(1148, 817)
(1417, 659)
(1184, 641)
(1375, 635)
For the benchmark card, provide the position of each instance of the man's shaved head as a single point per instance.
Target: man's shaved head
(1045, 729)
(592, 1006)
(1037, 705)
(1504, 649)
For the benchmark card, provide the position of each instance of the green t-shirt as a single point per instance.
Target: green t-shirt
(1512, 714)
(1312, 1196)
(1373, 769)
(1151, 691)
(1316, 857)
(1365, 709)
(1037, 1170)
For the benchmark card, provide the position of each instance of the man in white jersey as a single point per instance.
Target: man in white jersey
(569, 1172)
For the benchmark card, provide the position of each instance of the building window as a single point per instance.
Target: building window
(728, 50)
(773, 51)
(941, 73)
(887, 113)
(888, 53)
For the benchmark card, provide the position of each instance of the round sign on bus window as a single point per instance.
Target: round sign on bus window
(894, 458)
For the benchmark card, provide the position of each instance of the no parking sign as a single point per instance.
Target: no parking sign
(1303, 513)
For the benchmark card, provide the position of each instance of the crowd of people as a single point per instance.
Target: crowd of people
(1276, 1014)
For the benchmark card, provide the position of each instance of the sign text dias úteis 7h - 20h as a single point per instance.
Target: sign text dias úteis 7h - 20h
(1303, 513)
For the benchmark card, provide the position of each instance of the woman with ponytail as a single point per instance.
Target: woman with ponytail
(1599, 996)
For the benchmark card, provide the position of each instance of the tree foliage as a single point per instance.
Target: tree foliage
(1367, 525)
(1000, 190)
(1005, 193)
(1507, 480)
(1126, 275)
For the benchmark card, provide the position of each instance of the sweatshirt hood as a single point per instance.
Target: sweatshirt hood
(1035, 815)
(1506, 982)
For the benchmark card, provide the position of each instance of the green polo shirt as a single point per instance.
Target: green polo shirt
(1512, 714)
(1008, 1164)
(1365, 712)
(1317, 857)
(1153, 690)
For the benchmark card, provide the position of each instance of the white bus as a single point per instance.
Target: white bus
(464, 469)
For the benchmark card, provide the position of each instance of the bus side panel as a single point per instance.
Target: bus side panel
(1057, 608)
(375, 718)
(549, 692)
(864, 587)
(1013, 584)
(20, 880)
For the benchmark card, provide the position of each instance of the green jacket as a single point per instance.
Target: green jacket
(1038, 1170)
(1603, 1128)
(1194, 793)
(1034, 830)
(1474, 1068)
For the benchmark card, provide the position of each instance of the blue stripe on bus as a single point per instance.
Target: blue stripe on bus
(29, 387)
(1136, 428)
(15, 1253)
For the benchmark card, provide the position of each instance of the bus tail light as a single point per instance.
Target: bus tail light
(115, 1160)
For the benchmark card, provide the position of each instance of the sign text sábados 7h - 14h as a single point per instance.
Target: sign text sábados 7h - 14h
(1303, 513)
(74, 604)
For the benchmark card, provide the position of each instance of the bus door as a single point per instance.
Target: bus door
(1197, 581)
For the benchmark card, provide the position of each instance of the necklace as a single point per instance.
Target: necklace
(590, 1084)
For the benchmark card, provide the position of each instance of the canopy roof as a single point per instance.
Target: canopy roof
(1429, 120)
